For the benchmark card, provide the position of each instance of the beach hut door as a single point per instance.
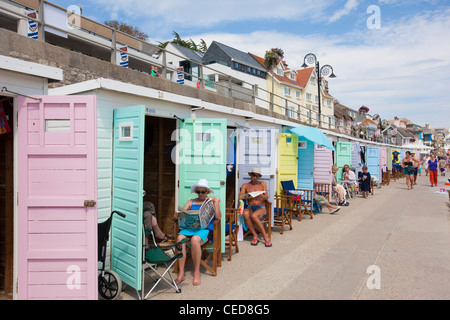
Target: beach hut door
(343, 157)
(201, 150)
(373, 161)
(305, 165)
(287, 159)
(128, 193)
(57, 194)
(257, 149)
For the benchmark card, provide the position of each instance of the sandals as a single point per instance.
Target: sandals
(267, 244)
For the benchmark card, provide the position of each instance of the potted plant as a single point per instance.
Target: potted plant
(363, 109)
(271, 59)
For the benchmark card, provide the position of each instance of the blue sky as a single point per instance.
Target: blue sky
(396, 62)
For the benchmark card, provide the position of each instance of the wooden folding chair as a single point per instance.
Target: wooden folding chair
(211, 249)
(306, 204)
(283, 211)
(231, 229)
(323, 189)
(266, 221)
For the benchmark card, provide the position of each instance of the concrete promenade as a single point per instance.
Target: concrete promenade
(404, 233)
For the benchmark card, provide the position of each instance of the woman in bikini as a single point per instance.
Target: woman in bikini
(408, 169)
(256, 206)
(198, 236)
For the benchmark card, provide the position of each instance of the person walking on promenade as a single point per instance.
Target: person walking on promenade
(365, 180)
(425, 164)
(408, 169)
(433, 165)
(417, 166)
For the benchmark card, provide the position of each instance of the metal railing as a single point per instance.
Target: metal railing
(276, 103)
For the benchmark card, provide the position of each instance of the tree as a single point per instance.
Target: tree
(202, 47)
(125, 28)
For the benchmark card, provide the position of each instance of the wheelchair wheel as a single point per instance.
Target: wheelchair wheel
(109, 285)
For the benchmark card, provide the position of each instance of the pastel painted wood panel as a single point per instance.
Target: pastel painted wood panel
(258, 149)
(127, 194)
(306, 165)
(323, 160)
(202, 155)
(373, 161)
(57, 234)
(287, 159)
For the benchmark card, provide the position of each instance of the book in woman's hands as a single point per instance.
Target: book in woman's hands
(252, 194)
(196, 219)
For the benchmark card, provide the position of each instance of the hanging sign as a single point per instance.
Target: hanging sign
(180, 75)
(124, 56)
(32, 25)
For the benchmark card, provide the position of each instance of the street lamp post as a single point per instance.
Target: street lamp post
(326, 70)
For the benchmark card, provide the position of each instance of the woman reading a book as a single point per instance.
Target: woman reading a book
(198, 235)
(256, 194)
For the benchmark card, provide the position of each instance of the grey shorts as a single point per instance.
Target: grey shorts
(320, 199)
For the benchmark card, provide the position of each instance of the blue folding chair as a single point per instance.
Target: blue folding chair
(307, 199)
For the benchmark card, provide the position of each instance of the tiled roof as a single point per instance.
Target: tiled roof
(283, 78)
(189, 53)
(303, 76)
(239, 56)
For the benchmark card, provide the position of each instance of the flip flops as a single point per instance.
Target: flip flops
(268, 244)
(254, 242)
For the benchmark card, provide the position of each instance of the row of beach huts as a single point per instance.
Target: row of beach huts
(80, 151)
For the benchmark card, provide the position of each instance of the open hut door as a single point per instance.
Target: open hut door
(373, 161)
(389, 158)
(343, 157)
(202, 154)
(383, 162)
(287, 159)
(128, 193)
(305, 165)
(57, 183)
(258, 149)
(323, 160)
(356, 158)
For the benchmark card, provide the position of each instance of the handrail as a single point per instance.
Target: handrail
(289, 108)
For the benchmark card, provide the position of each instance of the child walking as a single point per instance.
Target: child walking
(365, 180)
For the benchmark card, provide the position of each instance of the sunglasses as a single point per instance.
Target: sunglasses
(200, 192)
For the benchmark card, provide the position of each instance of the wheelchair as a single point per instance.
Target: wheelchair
(109, 283)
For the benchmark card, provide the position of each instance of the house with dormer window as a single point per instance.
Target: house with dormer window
(236, 74)
(307, 78)
(287, 91)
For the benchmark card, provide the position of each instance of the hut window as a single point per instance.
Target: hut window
(126, 131)
(202, 136)
(57, 125)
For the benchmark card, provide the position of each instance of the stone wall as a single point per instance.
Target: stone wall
(78, 67)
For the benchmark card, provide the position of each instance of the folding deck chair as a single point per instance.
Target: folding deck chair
(155, 256)
(306, 203)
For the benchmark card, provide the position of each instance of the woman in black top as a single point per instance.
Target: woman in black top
(408, 169)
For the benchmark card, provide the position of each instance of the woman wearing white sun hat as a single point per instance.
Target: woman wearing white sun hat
(198, 236)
